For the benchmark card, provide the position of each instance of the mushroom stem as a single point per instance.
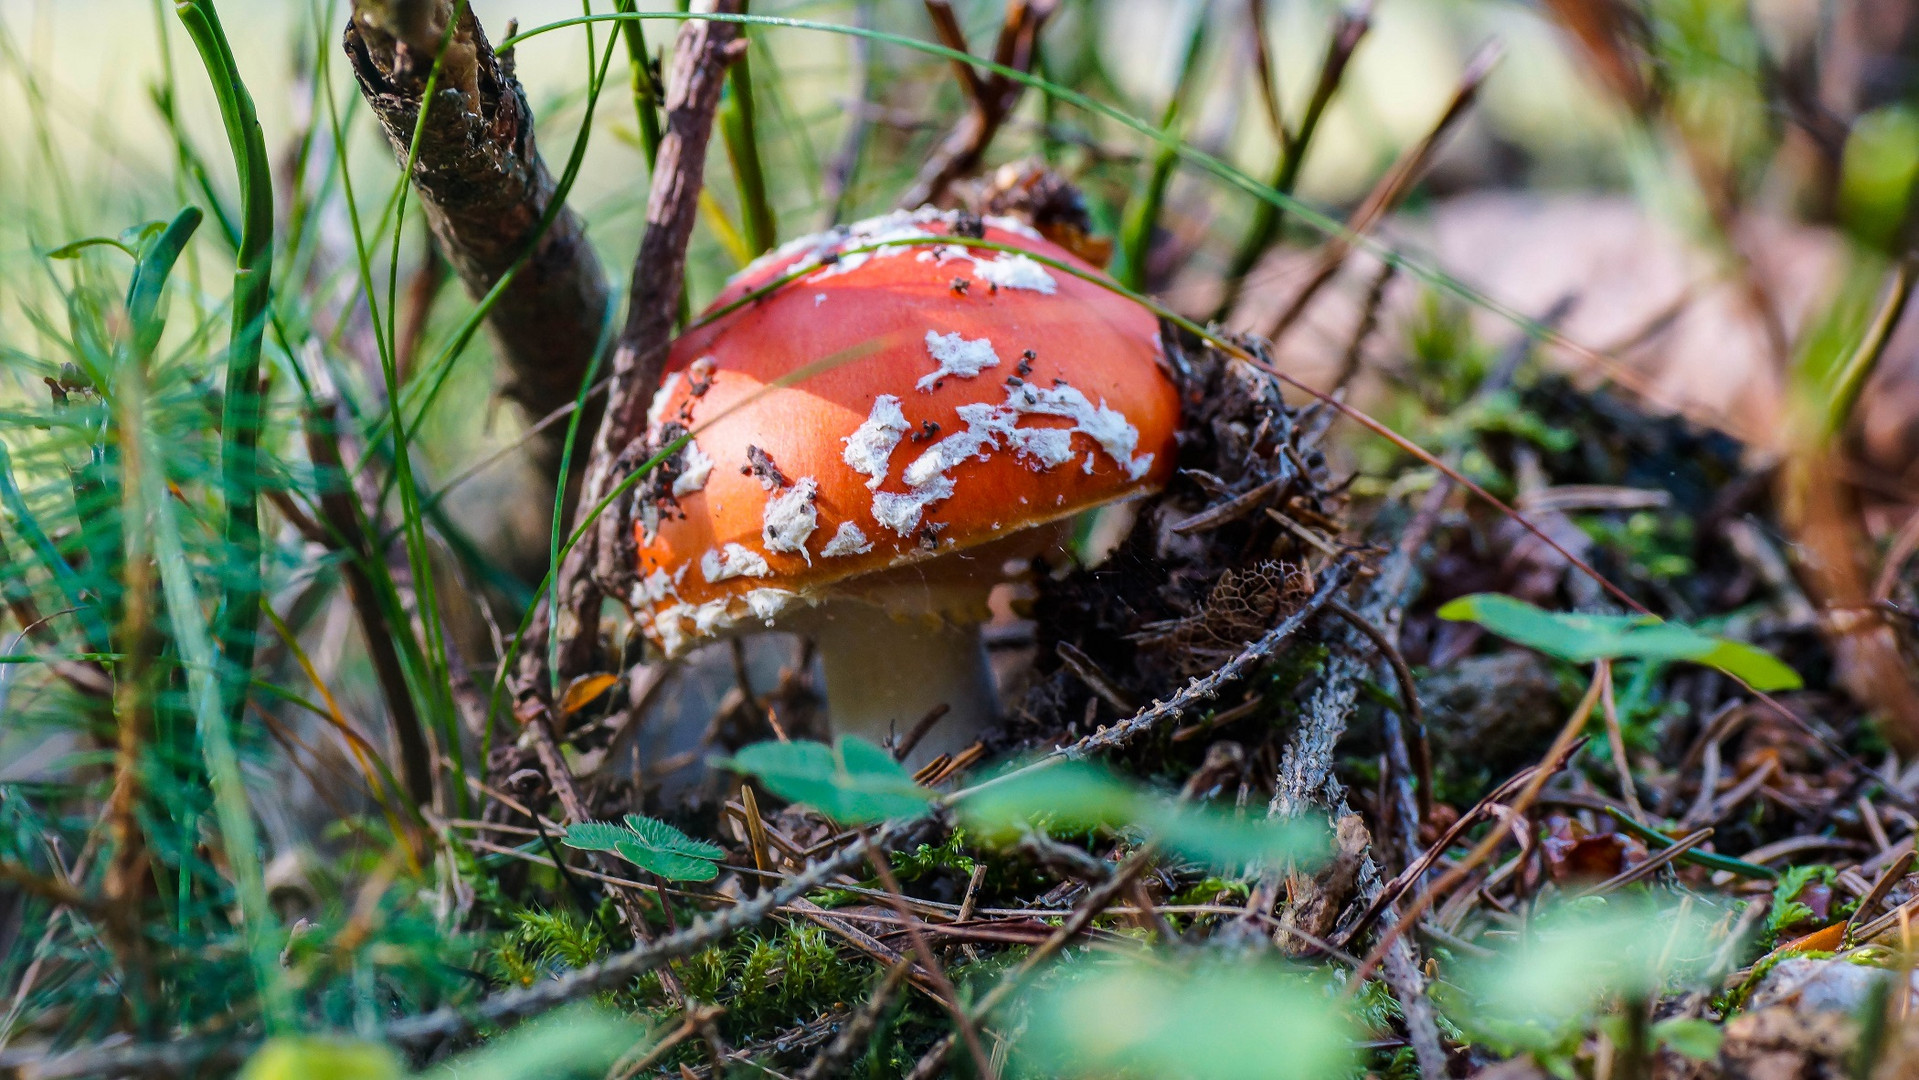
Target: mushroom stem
(883, 674)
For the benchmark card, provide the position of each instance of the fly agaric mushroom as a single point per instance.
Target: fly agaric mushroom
(872, 504)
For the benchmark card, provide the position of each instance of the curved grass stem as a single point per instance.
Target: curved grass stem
(241, 411)
(738, 131)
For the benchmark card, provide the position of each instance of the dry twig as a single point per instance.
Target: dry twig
(603, 557)
(487, 193)
(184, 1056)
(993, 96)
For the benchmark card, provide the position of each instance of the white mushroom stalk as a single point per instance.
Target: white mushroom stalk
(885, 673)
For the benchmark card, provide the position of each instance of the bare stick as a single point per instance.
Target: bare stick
(1408, 697)
(993, 100)
(1561, 745)
(1349, 29)
(347, 532)
(1098, 899)
(946, 25)
(700, 58)
(1408, 985)
(1268, 75)
(184, 1056)
(1208, 686)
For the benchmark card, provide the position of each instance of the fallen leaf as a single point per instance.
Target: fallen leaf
(1827, 939)
(582, 691)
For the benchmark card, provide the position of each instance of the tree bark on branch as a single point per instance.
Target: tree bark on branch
(485, 191)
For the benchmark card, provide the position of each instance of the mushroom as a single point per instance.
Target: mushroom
(873, 504)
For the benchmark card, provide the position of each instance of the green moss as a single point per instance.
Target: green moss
(771, 981)
(561, 937)
(933, 859)
(1649, 546)
(1787, 909)
(1213, 890)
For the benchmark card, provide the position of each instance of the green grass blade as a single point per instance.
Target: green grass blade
(203, 673)
(428, 674)
(1706, 859)
(771, 91)
(558, 523)
(96, 507)
(434, 376)
(419, 557)
(1142, 212)
(737, 130)
(646, 92)
(252, 290)
(72, 588)
(150, 277)
(1267, 215)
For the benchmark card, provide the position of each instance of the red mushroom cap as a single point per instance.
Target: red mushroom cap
(976, 394)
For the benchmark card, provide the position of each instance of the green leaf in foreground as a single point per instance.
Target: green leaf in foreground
(1877, 173)
(1219, 1021)
(1691, 1036)
(1543, 987)
(1077, 796)
(577, 1041)
(1583, 639)
(596, 836)
(651, 845)
(1070, 797)
(310, 1057)
(580, 1040)
(668, 852)
(853, 782)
